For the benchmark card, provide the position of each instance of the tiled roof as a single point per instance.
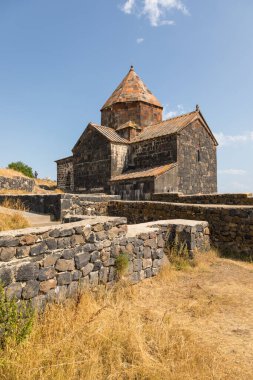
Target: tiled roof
(110, 134)
(150, 172)
(166, 127)
(132, 89)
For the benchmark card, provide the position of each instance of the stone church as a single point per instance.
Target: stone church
(135, 153)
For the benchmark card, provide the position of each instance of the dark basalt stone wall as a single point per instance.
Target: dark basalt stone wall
(153, 152)
(65, 174)
(138, 112)
(197, 166)
(92, 163)
(231, 227)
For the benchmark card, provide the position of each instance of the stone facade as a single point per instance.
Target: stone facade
(65, 174)
(133, 138)
(17, 183)
(231, 227)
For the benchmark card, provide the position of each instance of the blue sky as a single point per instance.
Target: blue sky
(60, 60)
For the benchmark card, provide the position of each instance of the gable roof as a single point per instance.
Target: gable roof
(172, 126)
(132, 89)
(107, 132)
(144, 173)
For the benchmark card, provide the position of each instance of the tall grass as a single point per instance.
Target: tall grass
(107, 335)
(12, 222)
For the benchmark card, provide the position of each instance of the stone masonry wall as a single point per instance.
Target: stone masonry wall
(225, 199)
(17, 183)
(65, 174)
(231, 227)
(51, 263)
(197, 164)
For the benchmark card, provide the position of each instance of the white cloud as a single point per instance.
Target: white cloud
(140, 40)
(173, 113)
(128, 6)
(154, 10)
(232, 171)
(224, 140)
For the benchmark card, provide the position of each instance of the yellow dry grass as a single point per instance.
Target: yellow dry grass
(12, 222)
(14, 204)
(10, 173)
(177, 326)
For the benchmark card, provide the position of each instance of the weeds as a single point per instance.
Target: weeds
(15, 204)
(121, 264)
(16, 320)
(178, 253)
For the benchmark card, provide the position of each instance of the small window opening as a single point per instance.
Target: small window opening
(198, 156)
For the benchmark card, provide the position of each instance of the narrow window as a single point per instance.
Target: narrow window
(198, 156)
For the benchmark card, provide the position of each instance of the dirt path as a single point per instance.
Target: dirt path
(214, 301)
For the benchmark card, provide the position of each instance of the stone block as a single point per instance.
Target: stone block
(50, 260)
(82, 259)
(6, 254)
(150, 243)
(22, 252)
(51, 244)
(146, 263)
(38, 249)
(5, 276)
(31, 289)
(103, 275)
(14, 290)
(9, 242)
(76, 275)
(27, 272)
(68, 254)
(87, 269)
(46, 273)
(94, 256)
(63, 265)
(147, 252)
(93, 278)
(63, 243)
(64, 278)
(28, 239)
(76, 240)
(137, 265)
(45, 286)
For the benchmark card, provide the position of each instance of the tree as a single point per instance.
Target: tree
(19, 166)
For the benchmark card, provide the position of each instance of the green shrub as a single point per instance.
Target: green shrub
(121, 264)
(16, 319)
(19, 166)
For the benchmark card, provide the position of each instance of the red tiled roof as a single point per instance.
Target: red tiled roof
(132, 89)
(171, 126)
(150, 172)
(166, 127)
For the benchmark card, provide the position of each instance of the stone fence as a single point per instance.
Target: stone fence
(17, 183)
(58, 205)
(52, 263)
(231, 227)
(225, 199)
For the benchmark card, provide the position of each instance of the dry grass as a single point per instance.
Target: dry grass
(12, 222)
(158, 329)
(10, 173)
(14, 204)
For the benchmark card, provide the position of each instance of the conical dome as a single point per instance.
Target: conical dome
(132, 89)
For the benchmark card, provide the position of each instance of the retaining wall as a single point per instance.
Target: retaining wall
(231, 227)
(48, 264)
(225, 199)
(17, 183)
